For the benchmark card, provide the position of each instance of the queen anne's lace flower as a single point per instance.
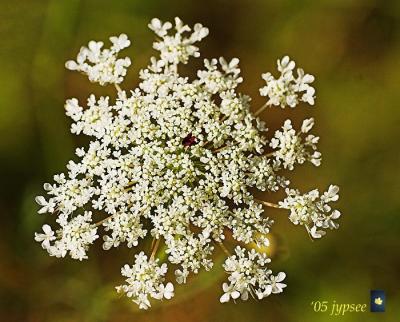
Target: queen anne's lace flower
(126, 228)
(292, 148)
(145, 278)
(74, 237)
(248, 274)
(102, 65)
(179, 47)
(288, 89)
(176, 159)
(312, 210)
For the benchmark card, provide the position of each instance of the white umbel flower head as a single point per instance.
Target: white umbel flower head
(177, 160)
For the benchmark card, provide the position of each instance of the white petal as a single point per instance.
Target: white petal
(280, 277)
(234, 62)
(47, 229)
(155, 23)
(224, 298)
(308, 78)
(41, 201)
(333, 190)
(39, 237)
(235, 294)
(307, 125)
(335, 214)
(267, 290)
(169, 287)
(169, 295)
(71, 65)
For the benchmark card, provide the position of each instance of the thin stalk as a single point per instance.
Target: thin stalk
(102, 221)
(270, 154)
(266, 203)
(152, 243)
(224, 249)
(118, 88)
(262, 108)
(155, 247)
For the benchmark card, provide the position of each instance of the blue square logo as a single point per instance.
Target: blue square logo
(378, 301)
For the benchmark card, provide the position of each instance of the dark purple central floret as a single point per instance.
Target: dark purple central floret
(189, 140)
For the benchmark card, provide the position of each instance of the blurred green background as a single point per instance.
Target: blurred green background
(352, 47)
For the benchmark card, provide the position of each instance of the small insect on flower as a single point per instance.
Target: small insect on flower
(177, 160)
(189, 140)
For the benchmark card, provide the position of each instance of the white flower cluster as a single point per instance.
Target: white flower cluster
(102, 65)
(177, 48)
(248, 274)
(74, 237)
(292, 148)
(145, 278)
(176, 159)
(312, 210)
(288, 89)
